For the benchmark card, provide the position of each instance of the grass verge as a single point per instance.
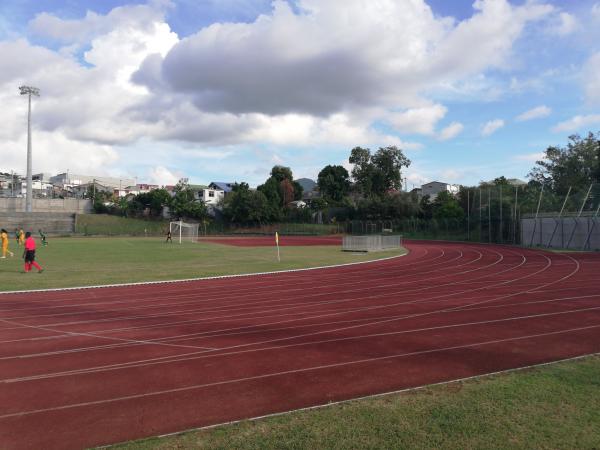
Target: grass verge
(69, 262)
(549, 407)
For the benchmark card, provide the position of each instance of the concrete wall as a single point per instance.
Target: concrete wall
(49, 205)
(52, 223)
(566, 232)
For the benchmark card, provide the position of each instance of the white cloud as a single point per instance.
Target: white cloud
(82, 31)
(418, 120)
(564, 24)
(388, 52)
(126, 76)
(492, 126)
(451, 175)
(596, 11)
(55, 152)
(591, 80)
(577, 123)
(163, 176)
(535, 113)
(530, 157)
(451, 131)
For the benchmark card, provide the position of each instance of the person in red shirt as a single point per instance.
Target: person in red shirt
(29, 254)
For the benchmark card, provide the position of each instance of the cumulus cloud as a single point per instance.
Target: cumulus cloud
(491, 127)
(55, 152)
(451, 131)
(418, 120)
(81, 31)
(591, 79)
(530, 157)
(377, 52)
(163, 176)
(535, 113)
(577, 123)
(596, 11)
(306, 76)
(564, 24)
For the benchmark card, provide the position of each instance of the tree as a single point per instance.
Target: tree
(426, 207)
(154, 200)
(287, 192)
(245, 206)
(445, 206)
(281, 173)
(575, 166)
(389, 162)
(298, 190)
(280, 190)
(183, 204)
(334, 183)
(380, 173)
(500, 181)
(363, 169)
(272, 195)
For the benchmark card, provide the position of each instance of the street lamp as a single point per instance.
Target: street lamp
(29, 91)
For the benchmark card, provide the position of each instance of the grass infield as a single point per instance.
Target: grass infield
(69, 262)
(549, 407)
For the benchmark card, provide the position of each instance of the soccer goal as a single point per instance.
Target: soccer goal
(184, 231)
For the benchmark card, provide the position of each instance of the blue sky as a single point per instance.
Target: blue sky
(224, 89)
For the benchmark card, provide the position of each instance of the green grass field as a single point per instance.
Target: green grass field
(550, 407)
(89, 261)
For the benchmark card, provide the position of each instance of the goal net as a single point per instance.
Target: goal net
(184, 232)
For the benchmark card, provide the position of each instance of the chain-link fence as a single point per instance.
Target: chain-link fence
(519, 215)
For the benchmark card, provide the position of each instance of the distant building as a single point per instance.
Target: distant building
(298, 204)
(417, 191)
(73, 179)
(226, 187)
(136, 189)
(433, 188)
(211, 196)
(45, 177)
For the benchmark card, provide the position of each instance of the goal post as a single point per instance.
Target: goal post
(183, 231)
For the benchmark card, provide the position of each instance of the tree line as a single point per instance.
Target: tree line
(373, 191)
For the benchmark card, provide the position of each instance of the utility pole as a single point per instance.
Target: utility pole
(29, 91)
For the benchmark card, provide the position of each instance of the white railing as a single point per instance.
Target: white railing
(371, 243)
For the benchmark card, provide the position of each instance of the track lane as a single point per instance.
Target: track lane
(443, 312)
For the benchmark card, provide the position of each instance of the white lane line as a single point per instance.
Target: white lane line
(366, 336)
(284, 307)
(188, 280)
(193, 355)
(288, 372)
(355, 326)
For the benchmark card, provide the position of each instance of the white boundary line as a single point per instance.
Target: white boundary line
(216, 277)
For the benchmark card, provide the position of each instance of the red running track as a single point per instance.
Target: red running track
(89, 367)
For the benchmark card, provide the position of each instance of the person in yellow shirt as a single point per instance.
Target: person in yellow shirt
(21, 237)
(4, 238)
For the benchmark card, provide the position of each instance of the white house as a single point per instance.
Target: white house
(211, 196)
(136, 189)
(433, 188)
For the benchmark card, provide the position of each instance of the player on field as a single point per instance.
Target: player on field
(22, 237)
(169, 239)
(4, 238)
(43, 237)
(29, 254)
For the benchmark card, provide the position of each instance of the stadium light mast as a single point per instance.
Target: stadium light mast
(29, 91)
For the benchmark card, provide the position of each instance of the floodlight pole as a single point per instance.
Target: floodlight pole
(29, 91)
